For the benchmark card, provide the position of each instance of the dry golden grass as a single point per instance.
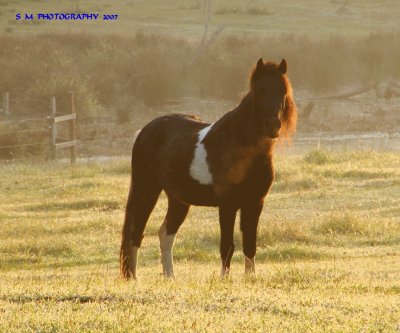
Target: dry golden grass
(328, 253)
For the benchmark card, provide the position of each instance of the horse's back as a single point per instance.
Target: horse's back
(167, 129)
(165, 140)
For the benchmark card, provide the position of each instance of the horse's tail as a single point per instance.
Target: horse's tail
(125, 253)
(126, 261)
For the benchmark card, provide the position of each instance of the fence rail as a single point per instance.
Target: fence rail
(105, 135)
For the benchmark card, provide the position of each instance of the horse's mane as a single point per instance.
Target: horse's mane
(289, 114)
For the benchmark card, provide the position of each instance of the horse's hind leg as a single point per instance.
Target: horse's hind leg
(176, 214)
(141, 201)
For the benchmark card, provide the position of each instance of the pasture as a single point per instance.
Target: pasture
(328, 256)
(328, 251)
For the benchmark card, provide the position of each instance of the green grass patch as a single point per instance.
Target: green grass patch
(345, 224)
(318, 157)
(101, 204)
(289, 253)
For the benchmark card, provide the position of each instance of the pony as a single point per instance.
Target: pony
(226, 164)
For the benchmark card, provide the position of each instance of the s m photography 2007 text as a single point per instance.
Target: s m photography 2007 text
(66, 16)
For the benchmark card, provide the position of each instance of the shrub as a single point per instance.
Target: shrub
(151, 68)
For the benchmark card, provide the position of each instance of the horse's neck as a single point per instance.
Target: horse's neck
(240, 126)
(233, 143)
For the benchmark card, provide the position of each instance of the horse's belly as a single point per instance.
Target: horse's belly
(203, 200)
(198, 195)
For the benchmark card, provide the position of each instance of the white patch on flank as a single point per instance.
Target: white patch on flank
(199, 169)
(166, 246)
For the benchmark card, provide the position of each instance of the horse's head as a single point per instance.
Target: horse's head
(273, 100)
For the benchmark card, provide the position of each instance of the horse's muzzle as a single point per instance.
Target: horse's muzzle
(274, 127)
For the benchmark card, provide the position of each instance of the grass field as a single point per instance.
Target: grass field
(328, 253)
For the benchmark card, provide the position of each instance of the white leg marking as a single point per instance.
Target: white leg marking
(224, 271)
(166, 246)
(199, 169)
(249, 265)
(133, 254)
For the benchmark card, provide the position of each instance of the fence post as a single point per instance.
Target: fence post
(72, 130)
(53, 133)
(6, 104)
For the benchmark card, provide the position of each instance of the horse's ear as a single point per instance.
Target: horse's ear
(283, 66)
(260, 65)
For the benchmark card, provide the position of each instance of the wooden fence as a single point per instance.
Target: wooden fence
(54, 120)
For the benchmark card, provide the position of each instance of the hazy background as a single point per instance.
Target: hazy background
(194, 57)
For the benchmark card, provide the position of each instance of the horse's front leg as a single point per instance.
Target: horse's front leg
(249, 216)
(227, 215)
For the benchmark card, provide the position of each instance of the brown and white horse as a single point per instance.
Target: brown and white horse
(227, 164)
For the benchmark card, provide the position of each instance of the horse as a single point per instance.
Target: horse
(226, 164)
